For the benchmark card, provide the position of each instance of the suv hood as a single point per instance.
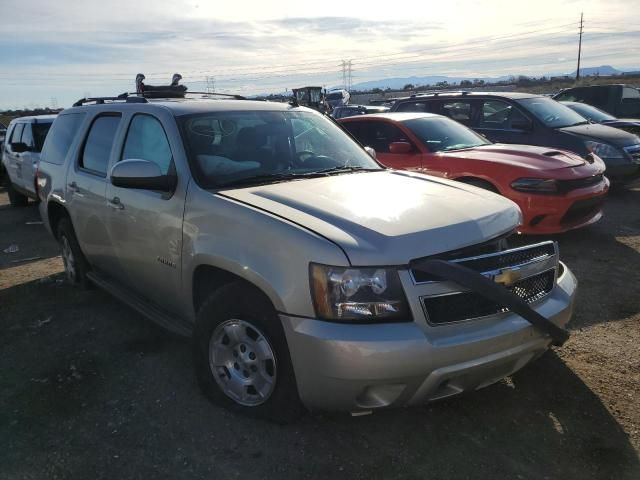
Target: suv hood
(523, 156)
(600, 133)
(387, 217)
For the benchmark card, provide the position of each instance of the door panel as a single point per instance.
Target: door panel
(13, 158)
(146, 226)
(28, 160)
(86, 189)
(404, 161)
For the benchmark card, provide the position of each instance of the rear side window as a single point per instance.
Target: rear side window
(39, 131)
(17, 133)
(98, 145)
(60, 138)
(459, 111)
(146, 140)
(27, 136)
(499, 115)
(412, 107)
(628, 92)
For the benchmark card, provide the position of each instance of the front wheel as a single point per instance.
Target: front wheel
(241, 355)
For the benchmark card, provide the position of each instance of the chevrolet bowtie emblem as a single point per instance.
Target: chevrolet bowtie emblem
(507, 278)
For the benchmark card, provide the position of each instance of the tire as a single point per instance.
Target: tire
(16, 199)
(75, 263)
(246, 330)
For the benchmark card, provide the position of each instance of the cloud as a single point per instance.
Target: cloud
(66, 48)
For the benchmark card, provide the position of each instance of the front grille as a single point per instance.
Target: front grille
(528, 272)
(494, 261)
(461, 306)
(582, 210)
(569, 185)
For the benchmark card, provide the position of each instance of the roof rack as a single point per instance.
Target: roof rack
(124, 97)
(133, 97)
(230, 95)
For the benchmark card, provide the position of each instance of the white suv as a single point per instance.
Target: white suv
(21, 155)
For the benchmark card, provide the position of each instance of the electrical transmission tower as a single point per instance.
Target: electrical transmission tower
(346, 74)
(54, 103)
(210, 84)
(580, 46)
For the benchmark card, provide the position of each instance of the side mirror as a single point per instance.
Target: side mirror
(371, 152)
(521, 124)
(400, 147)
(141, 174)
(19, 147)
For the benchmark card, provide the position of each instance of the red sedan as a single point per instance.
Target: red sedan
(556, 190)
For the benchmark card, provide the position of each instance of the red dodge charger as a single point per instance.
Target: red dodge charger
(556, 190)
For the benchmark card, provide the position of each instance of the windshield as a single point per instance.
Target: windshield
(552, 113)
(442, 134)
(591, 113)
(334, 96)
(227, 148)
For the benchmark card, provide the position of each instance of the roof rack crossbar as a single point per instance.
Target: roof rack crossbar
(101, 100)
(230, 95)
(133, 97)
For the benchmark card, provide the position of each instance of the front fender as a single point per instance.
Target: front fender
(270, 252)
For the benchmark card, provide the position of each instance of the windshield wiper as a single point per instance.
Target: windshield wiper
(461, 146)
(283, 177)
(271, 177)
(344, 169)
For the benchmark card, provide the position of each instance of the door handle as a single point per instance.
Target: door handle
(115, 203)
(73, 187)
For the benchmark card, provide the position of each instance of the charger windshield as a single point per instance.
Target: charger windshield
(244, 147)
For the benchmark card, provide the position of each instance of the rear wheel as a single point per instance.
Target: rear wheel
(16, 199)
(75, 264)
(241, 355)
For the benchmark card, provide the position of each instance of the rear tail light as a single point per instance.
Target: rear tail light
(41, 182)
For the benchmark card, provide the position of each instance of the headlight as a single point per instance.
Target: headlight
(358, 294)
(604, 150)
(535, 185)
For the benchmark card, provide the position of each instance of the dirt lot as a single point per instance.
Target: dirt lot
(89, 389)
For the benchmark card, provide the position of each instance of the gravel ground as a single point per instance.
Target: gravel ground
(89, 389)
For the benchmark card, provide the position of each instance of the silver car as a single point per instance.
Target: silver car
(21, 155)
(291, 256)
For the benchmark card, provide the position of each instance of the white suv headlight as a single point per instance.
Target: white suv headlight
(358, 294)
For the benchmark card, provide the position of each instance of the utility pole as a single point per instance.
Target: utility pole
(579, 46)
(349, 76)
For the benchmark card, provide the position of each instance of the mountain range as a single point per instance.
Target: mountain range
(400, 82)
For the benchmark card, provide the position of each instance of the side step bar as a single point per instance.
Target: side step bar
(152, 312)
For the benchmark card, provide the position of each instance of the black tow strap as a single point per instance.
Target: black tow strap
(478, 283)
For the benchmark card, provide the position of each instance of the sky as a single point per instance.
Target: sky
(54, 52)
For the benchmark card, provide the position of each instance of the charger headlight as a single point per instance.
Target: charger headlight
(358, 294)
(535, 185)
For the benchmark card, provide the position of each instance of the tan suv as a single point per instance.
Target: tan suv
(306, 273)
